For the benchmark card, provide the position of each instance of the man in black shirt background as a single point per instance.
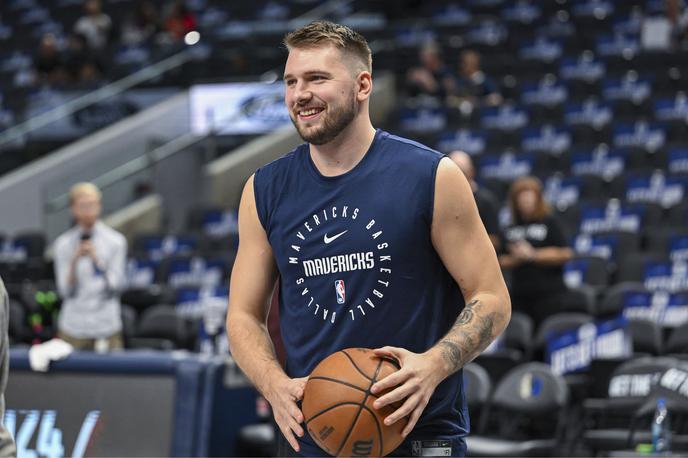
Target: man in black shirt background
(488, 204)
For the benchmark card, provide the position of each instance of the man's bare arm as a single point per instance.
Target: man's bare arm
(466, 251)
(461, 241)
(253, 280)
(472, 332)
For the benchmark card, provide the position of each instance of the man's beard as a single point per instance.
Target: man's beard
(332, 125)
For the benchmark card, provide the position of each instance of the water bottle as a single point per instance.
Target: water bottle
(660, 428)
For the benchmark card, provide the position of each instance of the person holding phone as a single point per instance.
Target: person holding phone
(7, 445)
(90, 263)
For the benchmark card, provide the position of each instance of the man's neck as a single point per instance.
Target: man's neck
(344, 152)
(87, 228)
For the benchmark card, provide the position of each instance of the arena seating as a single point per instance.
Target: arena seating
(600, 118)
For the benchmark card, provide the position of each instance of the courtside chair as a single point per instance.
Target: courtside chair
(526, 415)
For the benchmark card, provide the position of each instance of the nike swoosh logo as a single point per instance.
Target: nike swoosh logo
(327, 239)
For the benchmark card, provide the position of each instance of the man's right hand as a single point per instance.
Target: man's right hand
(85, 248)
(283, 396)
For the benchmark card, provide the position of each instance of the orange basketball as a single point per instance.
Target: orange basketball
(338, 405)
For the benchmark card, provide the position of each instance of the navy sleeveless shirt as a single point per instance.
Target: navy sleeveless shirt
(357, 265)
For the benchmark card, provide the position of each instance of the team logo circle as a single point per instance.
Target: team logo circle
(340, 223)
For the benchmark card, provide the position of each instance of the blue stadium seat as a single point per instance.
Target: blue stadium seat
(478, 386)
(665, 275)
(617, 44)
(422, 120)
(558, 323)
(161, 327)
(142, 272)
(601, 162)
(541, 49)
(159, 246)
(616, 216)
(473, 142)
(608, 420)
(547, 139)
(650, 186)
(564, 191)
(650, 137)
(607, 245)
(195, 271)
(589, 119)
(587, 270)
(677, 161)
(506, 118)
(505, 167)
(678, 216)
(677, 343)
(616, 297)
(529, 391)
(213, 221)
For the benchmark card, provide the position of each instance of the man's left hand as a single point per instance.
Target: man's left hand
(414, 383)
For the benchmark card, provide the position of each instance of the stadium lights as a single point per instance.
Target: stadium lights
(192, 38)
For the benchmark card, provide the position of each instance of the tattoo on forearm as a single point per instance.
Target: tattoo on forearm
(470, 334)
(466, 315)
(485, 330)
(451, 352)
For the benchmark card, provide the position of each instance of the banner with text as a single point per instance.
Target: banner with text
(574, 350)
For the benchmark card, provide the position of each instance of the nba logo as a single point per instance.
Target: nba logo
(340, 290)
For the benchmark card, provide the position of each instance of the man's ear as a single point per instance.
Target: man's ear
(364, 84)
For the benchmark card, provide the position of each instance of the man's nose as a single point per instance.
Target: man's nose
(302, 93)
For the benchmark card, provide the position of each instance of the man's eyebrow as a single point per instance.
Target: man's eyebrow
(309, 73)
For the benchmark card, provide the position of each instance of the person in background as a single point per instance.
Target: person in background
(76, 55)
(431, 78)
(90, 271)
(180, 21)
(473, 85)
(535, 251)
(49, 63)
(140, 26)
(488, 204)
(7, 446)
(677, 15)
(95, 25)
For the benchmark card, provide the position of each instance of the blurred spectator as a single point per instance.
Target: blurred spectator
(49, 63)
(535, 250)
(141, 25)
(7, 447)
(677, 15)
(82, 64)
(472, 85)
(180, 21)
(90, 272)
(430, 78)
(90, 74)
(488, 204)
(274, 11)
(6, 115)
(95, 25)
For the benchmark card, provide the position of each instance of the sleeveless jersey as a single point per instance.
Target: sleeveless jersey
(357, 265)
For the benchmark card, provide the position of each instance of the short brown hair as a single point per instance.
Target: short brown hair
(326, 32)
(528, 183)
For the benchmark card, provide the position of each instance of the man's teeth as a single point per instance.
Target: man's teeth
(310, 112)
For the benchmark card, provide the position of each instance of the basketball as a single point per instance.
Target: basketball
(338, 405)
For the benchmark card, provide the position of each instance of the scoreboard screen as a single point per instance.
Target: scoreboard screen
(90, 414)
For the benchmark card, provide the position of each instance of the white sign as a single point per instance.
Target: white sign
(237, 108)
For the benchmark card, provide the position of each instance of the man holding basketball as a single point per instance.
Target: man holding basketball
(376, 241)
